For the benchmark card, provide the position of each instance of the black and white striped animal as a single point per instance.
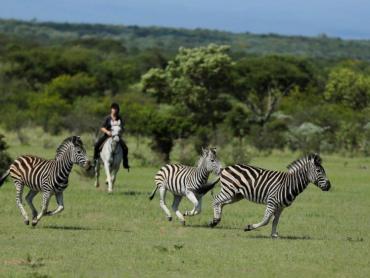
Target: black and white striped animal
(47, 176)
(275, 189)
(187, 181)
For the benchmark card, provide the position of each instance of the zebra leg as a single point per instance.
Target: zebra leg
(219, 201)
(97, 173)
(18, 199)
(192, 198)
(60, 207)
(198, 209)
(162, 203)
(109, 178)
(274, 233)
(269, 212)
(45, 203)
(175, 207)
(29, 198)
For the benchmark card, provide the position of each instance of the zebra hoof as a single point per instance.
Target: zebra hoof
(274, 236)
(169, 218)
(212, 224)
(249, 227)
(187, 213)
(182, 223)
(27, 222)
(34, 223)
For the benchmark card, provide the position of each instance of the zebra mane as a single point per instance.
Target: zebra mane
(74, 140)
(205, 153)
(297, 164)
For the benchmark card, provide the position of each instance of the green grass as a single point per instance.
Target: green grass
(323, 234)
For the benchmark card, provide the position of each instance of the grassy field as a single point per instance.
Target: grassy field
(323, 234)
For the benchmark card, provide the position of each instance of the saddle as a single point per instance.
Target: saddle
(102, 144)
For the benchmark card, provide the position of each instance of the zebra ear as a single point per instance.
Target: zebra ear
(76, 139)
(317, 159)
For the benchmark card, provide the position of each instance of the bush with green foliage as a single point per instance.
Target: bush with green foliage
(5, 159)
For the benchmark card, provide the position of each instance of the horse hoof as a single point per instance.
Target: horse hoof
(249, 227)
(27, 222)
(97, 185)
(169, 218)
(274, 236)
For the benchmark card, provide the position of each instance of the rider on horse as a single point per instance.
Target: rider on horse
(111, 120)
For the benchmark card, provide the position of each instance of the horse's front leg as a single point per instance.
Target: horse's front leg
(109, 178)
(114, 174)
(97, 173)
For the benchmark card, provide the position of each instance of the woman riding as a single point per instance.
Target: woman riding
(113, 119)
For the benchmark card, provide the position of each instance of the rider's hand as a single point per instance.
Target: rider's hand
(109, 133)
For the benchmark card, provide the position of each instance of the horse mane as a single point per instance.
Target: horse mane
(297, 164)
(74, 140)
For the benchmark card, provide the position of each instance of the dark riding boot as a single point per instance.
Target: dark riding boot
(124, 155)
(97, 146)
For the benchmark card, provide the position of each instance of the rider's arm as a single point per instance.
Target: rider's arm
(122, 126)
(105, 126)
(106, 131)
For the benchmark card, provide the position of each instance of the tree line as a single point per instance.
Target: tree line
(207, 95)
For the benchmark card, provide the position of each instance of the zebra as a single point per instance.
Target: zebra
(47, 176)
(187, 181)
(275, 189)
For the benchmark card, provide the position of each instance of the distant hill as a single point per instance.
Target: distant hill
(170, 39)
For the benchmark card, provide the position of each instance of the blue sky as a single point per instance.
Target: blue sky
(340, 18)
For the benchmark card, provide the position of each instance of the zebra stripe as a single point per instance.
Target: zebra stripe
(187, 181)
(275, 189)
(47, 176)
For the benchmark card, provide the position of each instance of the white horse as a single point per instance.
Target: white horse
(111, 156)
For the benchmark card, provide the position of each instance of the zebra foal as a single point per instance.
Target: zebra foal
(276, 190)
(187, 181)
(47, 176)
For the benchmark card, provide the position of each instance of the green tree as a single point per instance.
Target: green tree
(349, 88)
(195, 81)
(260, 83)
(72, 87)
(167, 125)
(5, 159)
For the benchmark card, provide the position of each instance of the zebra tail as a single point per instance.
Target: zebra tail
(3, 178)
(153, 193)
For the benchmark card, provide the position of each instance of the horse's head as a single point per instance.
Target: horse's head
(116, 132)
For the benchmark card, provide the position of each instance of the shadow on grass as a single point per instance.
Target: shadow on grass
(65, 227)
(132, 193)
(210, 228)
(282, 237)
(248, 234)
(81, 228)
